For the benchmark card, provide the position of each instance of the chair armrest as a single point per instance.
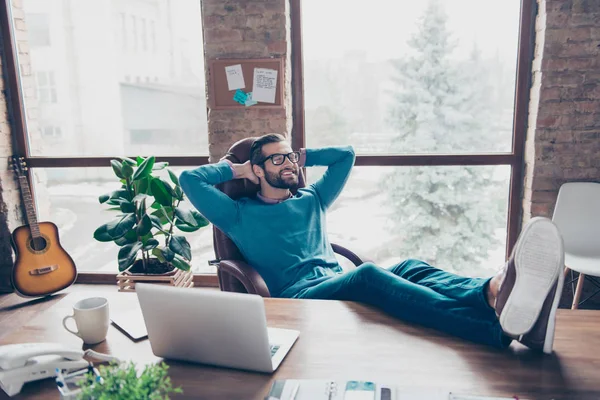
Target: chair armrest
(245, 274)
(350, 255)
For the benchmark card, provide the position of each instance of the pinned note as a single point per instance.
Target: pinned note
(249, 100)
(240, 97)
(235, 77)
(264, 85)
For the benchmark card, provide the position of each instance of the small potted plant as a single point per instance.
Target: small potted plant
(121, 382)
(150, 223)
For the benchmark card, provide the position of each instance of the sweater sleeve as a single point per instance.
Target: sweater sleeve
(339, 161)
(216, 206)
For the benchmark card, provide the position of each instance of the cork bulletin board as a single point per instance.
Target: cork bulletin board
(220, 95)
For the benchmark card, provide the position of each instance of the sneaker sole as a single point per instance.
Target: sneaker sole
(539, 259)
(549, 339)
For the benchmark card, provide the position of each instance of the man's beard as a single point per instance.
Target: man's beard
(277, 181)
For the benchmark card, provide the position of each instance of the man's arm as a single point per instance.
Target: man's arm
(339, 161)
(216, 206)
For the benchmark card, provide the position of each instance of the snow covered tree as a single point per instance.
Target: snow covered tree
(445, 215)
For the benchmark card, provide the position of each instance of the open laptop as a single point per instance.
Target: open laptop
(212, 327)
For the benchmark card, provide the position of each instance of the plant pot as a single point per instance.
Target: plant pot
(126, 280)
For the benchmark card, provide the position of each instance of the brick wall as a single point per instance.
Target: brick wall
(563, 143)
(564, 136)
(246, 29)
(9, 194)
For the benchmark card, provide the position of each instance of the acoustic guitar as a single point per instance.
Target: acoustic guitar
(42, 266)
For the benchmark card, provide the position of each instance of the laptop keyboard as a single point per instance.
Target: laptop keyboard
(274, 349)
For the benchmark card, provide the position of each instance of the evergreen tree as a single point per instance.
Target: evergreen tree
(443, 215)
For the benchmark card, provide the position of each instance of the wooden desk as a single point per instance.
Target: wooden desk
(341, 340)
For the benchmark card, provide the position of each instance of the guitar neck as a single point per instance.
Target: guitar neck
(29, 208)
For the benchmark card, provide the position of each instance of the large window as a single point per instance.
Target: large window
(425, 92)
(99, 80)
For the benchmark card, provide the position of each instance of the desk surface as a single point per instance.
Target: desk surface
(341, 340)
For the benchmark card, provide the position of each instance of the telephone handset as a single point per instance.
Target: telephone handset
(26, 362)
(16, 355)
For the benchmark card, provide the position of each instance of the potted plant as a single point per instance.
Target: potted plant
(121, 382)
(150, 219)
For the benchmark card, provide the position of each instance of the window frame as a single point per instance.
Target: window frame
(18, 126)
(514, 158)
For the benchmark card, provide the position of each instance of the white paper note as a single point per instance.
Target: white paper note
(235, 77)
(264, 85)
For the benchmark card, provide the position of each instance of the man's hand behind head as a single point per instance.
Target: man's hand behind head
(244, 171)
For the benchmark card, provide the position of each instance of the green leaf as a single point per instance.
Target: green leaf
(122, 194)
(156, 222)
(127, 207)
(139, 160)
(160, 165)
(128, 161)
(129, 237)
(144, 169)
(202, 222)
(180, 245)
(144, 186)
(173, 177)
(164, 214)
(181, 264)
(140, 197)
(179, 193)
(156, 205)
(127, 255)
(160, 193)
(186, 216)
(120, 226)
(167, 185)
(101, 234)
(182, 226)
(158, 254)
(167, 254)
(103, 198)
(150, 244)
(127, 171)
(144, 225)
(117, 168)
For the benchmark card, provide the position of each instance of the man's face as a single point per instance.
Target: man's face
(284, 176)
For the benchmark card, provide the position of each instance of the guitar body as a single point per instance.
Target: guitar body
(42, 266)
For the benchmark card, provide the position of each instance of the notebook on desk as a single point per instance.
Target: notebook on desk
(131, 323)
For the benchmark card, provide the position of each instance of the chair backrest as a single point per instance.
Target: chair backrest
(577, 216)
(239, 153)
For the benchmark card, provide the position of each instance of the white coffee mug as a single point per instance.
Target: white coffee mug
(91, 318)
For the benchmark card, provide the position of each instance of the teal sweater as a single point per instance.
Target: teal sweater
(285, 242)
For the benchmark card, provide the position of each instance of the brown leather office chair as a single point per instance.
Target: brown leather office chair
(234, 274)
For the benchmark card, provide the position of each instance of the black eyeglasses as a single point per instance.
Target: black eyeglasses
(278, 159)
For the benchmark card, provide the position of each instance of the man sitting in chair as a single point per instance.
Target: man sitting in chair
(283, 237)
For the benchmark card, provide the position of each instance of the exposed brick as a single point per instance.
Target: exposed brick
(220, 8)
(568, 35)
(586, 6)
(582, 64)
(550, 94)
(585, 19)
(217, 35)
(557, 20)
(555, 64)
(540, 210)
(545, 183)
(278, 47)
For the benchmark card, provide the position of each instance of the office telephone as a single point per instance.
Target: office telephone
(26, 362)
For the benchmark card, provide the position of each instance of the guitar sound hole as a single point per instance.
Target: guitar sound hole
(38, 244)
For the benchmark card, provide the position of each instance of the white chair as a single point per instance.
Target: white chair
(577, 216)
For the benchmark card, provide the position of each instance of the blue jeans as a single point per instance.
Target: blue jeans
(416, 292)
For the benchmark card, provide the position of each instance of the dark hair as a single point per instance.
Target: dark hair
(256, 154)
